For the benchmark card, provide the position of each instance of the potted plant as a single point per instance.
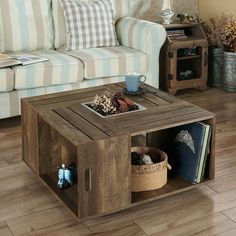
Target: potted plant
(215, 62)
(227, 36)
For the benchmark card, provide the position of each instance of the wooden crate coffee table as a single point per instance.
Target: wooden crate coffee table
(57, 129)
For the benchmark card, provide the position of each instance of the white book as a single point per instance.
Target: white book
(21, 59)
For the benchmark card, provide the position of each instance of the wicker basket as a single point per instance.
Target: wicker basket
(149, 177)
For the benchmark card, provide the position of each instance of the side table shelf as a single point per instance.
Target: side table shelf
(184, 58)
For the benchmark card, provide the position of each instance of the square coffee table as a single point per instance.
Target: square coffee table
(58, 128)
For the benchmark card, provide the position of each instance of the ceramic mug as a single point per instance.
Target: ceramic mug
(133, 81)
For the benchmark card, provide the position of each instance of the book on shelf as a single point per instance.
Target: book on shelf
(176, 34)
(178, 37)
(22, 59)
(191, 144)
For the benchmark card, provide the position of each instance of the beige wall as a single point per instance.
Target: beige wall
(213, 8)
(150, 9)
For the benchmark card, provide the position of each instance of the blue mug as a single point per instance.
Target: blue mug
(133, 81)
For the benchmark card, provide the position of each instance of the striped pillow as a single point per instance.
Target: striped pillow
(25, 25)
(89, 24)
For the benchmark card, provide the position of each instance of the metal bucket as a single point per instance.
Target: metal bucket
(229, 72)
(215, 67)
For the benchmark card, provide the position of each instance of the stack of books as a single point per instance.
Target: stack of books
(191, 148)
(176, 34)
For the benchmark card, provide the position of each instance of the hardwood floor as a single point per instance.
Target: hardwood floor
(27, 207)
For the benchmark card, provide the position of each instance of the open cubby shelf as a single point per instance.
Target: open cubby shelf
(160, 139)
(68, 195)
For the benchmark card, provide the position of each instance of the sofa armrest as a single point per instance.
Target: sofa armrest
(144, 36)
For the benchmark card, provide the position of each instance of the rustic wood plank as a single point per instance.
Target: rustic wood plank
(29, 136)
(224, 183)
(127, 230)
(163, 121)
(151, 90)
(154, 99)
(10, 136)
(80, 123)
(189, 212)
(107, 162)
(163, 205)
(35, 221)
(54, 149)
(216, 224)
(4, 229)
(150, 95)
(57, 97)
(15, 176)
(154, 117)
(231, 213)
(63, 127)
(70, 228)
(26, 201)
(231, 232)
(3, 163)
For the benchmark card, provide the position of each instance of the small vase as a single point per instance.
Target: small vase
(167, 19)
(229, 72)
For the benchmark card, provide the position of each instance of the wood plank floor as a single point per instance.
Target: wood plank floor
(27, 207)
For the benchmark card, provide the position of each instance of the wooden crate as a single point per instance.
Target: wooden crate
(58, 129)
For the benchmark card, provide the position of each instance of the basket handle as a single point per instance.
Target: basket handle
(168, 166)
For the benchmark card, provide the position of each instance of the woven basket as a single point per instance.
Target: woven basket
(149, 177)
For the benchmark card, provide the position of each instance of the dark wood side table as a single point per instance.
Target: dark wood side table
(58, 129)
(185, 52)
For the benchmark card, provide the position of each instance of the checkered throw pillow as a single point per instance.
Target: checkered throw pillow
(89, 24)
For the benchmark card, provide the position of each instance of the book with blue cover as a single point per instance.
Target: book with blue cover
(190, 142)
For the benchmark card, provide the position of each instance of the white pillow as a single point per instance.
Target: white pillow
(89, 24)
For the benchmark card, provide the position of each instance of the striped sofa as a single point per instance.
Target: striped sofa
(38, 27)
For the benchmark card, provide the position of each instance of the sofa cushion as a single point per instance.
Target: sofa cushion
(10, 101)
(6, 79)
(110, 61)
(121, 9)
(84, 31)
(60, 69)
(25, 25)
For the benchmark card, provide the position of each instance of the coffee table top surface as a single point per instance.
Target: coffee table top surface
(66, 114)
